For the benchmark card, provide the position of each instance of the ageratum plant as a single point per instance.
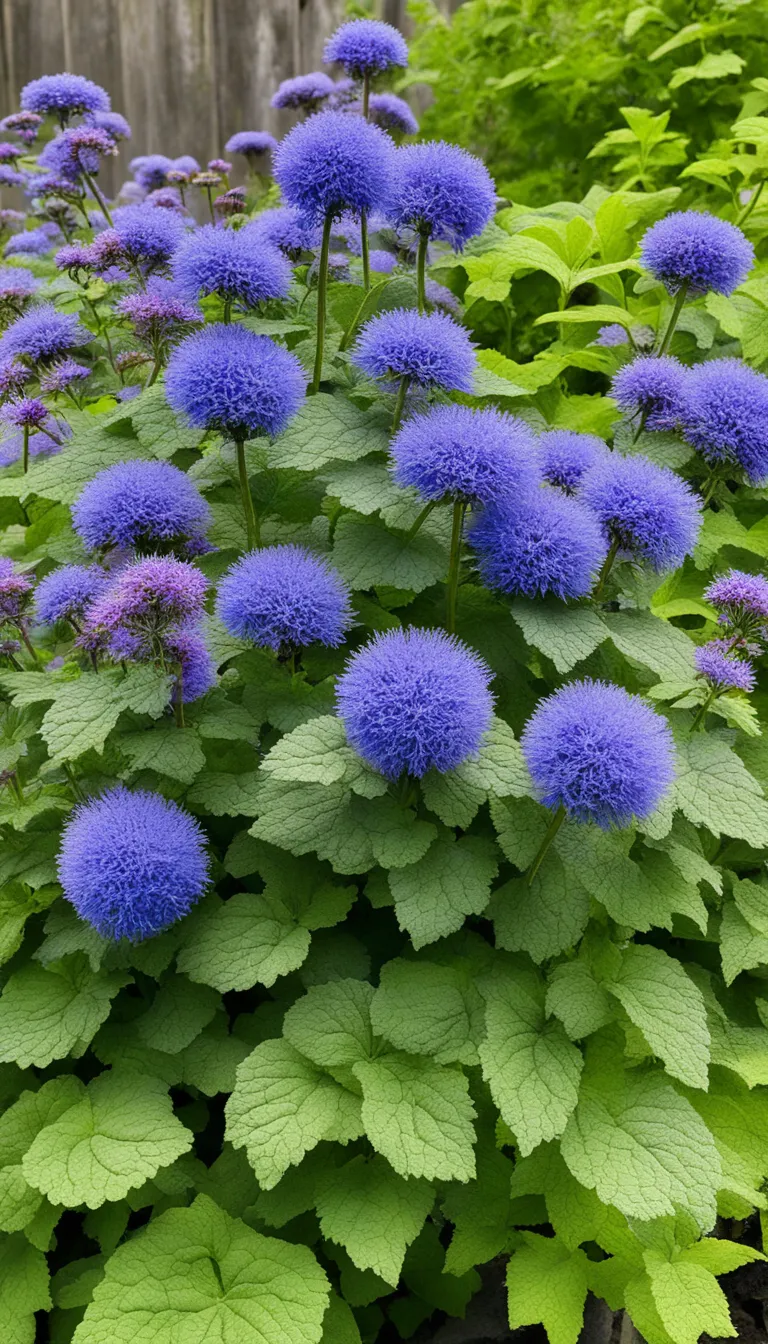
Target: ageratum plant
(382, 890)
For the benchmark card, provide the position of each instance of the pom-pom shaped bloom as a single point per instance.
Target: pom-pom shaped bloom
(75, 257)
(231, 379)
(10, 177)
(15, 592)
(413, 700)
(25, 124)
(26, 413)
(186, 164)
(65, 593)
(13, 376)
(158, 312)
(442, 191)
(428, 348)
(112, 122)
(222, 261)
(147, 505)
(284, 596)
(17, 283)
(566, 456)
(9, 153)
(132, 863)
(42, 334)
(366, 47)
(282, 228)
(653, 386)
(439, 296)
(165, 198)
(61, 376)
(198, 673)
(251, 143)
(462, 453)
(383, 262)
(738, 596)
(612, 335)
(725, 416)
(693, 248)
(148, 237)
(392, 114)
(599, 752)
(150, 595)
(151, 170)
(219, 166)
(303, 90)
(32, 243)
(537, 544)
(721, 669)
(648, 509)
(334, 162)
(63, 95)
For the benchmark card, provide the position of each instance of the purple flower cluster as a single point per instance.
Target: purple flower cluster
(151, 507)
(539, 543)
(283, 228)
(221, 261)
(151, 170)
(697, 250)
(653, 386)
(227, 378)
(725, 416)
(159, 313)
(458, 453)
(566, 457)
(41, 335)
(334, 162)
(366, 47)
(284, 597)
(63, 96)
(15, 594)
(430, 349)
(66, 593)
(392, 114)
(442, 191)
(251, 143)
(724, 671)
(647, 509)
(148, 238)
(306, 91)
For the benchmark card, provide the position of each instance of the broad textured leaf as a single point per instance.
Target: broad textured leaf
(19, 1126)
(668, 1007)
(167, 751)
(328, 429)
(428, 1010)
(373, 1213)
(542, 918)
(576, 997)
(46, 1013)
(714, 789)
(689, 1301)
(418, 1114)
(742, 947)
(650, 640)
(564, 634)
(178, 1013)
(453, 880)
(331, 1024)
(367, 554)
(24, 1289)
(242, 942)
(547, 1282)
(480, 1211)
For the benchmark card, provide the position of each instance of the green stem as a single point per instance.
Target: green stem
(322, 291)
(421, 271)
(676, 311)
(352, 328)
(454, 564)
(15, 784)
(607, 566)
(640, 428)
(366, 94)
(25, 450)
(366, 251)
(425, 512)
(227, 310)
(178, 704)
(72, 781)
(400, 403)
(703, 709)
(251, 522)
(404, 789)
(211, 210)
(28, 645)
(156, 367)
(102, 204)
(551, 831)
(710, 485)
(751, 203)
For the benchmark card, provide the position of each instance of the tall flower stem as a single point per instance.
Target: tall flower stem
(703, 709)
(454, 564)
(211, 210)
(425, 512)
(400, 403)
(751, 203)
(73, 784)
(680, 298)
(606, 567)
(227, 310)
(28, 645)
(421, 271)
(639, 429)
(551, 831)
(178, 704)
(366, 251)
(25, 450)
(322, 294)
(15, 783)
(102, 204)
(251, 522)
(354, 324)
(366, 94)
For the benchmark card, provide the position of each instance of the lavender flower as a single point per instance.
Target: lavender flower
(186, 164)
(653, 386)
(648, 510)
(566, 456)
(111, 122)
(45, 441)
(75, 257)
(27, 413)
(165, 198)
(13, 376)
(17, 284)
(59, 377)
(697, 250)
(459, 453)
(282, 227)
(439, 296)
(41, 335)
(159, 314)
(612, 335)
(9, 153)
(537, 544)
(428, 348)
(599, 752)
(392, 114)
(724, 672)
(25, 124)
(32, 243)
(145, 602)
(150, 506)
(10, 177)
(187, 647)
(225, 262)
(303, 91)
(151, 170)
(382, 262)
(148, 237)
(725, 416)
(132, 863)
(441, 191)
(741, 598)
(284, 597)
(251, 143)
(334, 162)
(415, 700)
(230, 379)
(66, 593)
(366, 47)
(77, 151)
(63, 96)
(15, 594)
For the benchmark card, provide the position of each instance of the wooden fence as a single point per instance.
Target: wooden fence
(186, 73)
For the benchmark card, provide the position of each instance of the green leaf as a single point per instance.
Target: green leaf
(742, 947)
(373, 1213)
(283, 1106)
(576, 997)
(668, 1008)
(168, 751)
(45, 1014)
(419, 1116)
(117, 1135)
(564, 634)
(531, 1067)
(641, 1146)
(159, 429)
(651, 641)
(329, 429)
(597, 313)
(752, 902)
(226, 795)
(178, 1013)
(86, 710)
(547, 1282)
(498, 769)
(544, 918)
(313, 817)
(24, 1289)
(211, 1061)
(689, 1300)
(314, 753)
(453, 880)
(714, 789)
(428, 1010)
(242, 942)
(331, 1024)
(481, 1213)
(339, 1324)
(19, 1126)
(367, 554)
(195, 1273)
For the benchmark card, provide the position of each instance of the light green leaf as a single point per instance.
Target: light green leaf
(227, 795)
(313, 817)
(576, 997)
(86, 710)
(314, 753)
(212, 1060)
(339, 1324)
(328, 429)
(547, 1282)
(480, 1212)
(44, 1014)
(453, 880)
(668, 1007)
(282, 1107)
(24, 1289)
(419, 1116)
(242, 942)
(19, 1126)
(178, 1013)
(531, 1067)
(714, 789)
(564, 634)
(597, 313)
(195, 1273)
(544, 918)
(331, 1024)
(373, 1213)
(120, 1132)
(168, 751)
(428, 1010)
(367, 487)
(367, 554)
(689, 1300)
(742, 948)
(752, 901)
(158, 428)
(651, 641)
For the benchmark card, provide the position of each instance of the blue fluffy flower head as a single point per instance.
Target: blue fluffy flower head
(539, 543)
(283, 228)
(150, 506)
(459, 453)
(725, 416)
(63, 96)
(722, 668)
(334, 162)
(132, 863)
(428, 348)
(415, 700)
(442, 191)
(214, 260)
(647, 509)
(41, 335)
(251, 143)
(284, 597)
(698, 250)
(233, 380)
(653, 387)
(306, 91)
(366, 47)
(566, 456)
(148, 237)
(599, 752)
(67, 592)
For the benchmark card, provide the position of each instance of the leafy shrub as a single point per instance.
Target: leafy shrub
(384, 817)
